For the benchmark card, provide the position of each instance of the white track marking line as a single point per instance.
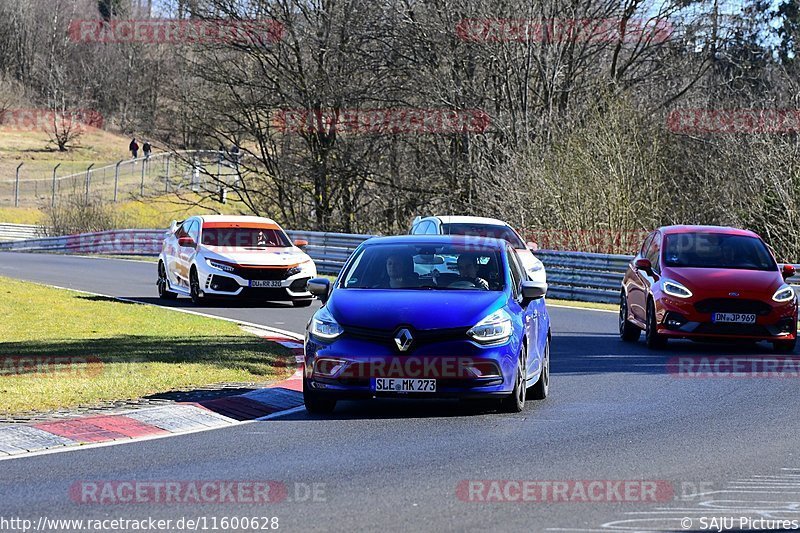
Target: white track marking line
(579, 308)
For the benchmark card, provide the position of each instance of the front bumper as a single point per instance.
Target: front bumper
(462, 368)
(692, 319)
(221, 284)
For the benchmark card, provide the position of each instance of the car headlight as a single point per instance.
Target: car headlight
(673, 288)
(492, 329)
(305, 267)
(219, 265)
(324, 326)
(784, 294)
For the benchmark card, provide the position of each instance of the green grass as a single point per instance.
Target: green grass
(140, 350)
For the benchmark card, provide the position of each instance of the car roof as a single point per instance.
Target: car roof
(467, 241)
(237, 219)
(453, 219)
(723, 230)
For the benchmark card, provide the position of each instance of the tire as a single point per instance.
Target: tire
(302, 303)
(162, 284)
(652, 338)
(784, 346)
(516, 401)
(194, 287)
(627, 331)
(541, 388)
(315, 404)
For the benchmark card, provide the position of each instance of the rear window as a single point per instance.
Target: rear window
(245, 237)
(717, 250)
(485, 230)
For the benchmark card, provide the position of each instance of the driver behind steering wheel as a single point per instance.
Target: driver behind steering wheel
(468, 271)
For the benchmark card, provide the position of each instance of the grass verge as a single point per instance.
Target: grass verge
(103, 350)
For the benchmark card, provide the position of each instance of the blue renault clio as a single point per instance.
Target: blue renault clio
(428, 316)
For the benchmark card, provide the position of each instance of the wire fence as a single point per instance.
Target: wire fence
(162, 173)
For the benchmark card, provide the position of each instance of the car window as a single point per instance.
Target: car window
(194, 230)
(432, 230)
(484, 230)
(717, 250)
(646, 244)
(425, 267)
(654, 252)
(244, 237)
(516, 271)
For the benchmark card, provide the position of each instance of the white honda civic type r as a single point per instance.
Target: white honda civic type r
(233, 256)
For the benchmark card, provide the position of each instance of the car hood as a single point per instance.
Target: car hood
(720, 282)
(420, 309)
(269, 257)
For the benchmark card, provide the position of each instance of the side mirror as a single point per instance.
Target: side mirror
(532, 246)
(787, 271)
(300, 243)
(643, 264)
(533, 290)
(186, 242)
(320, 287)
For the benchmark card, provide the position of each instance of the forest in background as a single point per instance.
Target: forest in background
(576, 134)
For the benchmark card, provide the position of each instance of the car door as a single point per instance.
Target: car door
(634, 284)
(645, 280)
(186, 254)
(530, 315)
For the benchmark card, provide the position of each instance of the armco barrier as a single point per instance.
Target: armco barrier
(579, 276)
(18, 232)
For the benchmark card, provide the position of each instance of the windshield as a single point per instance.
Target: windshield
(485, 230)
(245, 237)
(425, 267)
(716, 250)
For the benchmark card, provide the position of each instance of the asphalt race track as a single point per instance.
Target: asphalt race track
(616, 412)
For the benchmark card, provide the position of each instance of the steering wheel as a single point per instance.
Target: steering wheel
(462, 284)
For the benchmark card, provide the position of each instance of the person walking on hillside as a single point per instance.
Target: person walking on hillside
(134, 148)
(147, 149)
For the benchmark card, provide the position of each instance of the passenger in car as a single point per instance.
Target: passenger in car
(400, 272)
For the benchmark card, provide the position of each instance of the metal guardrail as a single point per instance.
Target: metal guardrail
(19, 232)
(579, 276)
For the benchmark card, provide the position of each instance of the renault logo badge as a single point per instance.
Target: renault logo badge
(403, 339)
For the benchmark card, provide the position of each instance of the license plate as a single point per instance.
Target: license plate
(736, 318)
(268, 283)
(403, 385)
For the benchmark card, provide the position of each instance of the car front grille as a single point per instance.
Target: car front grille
(733, 305)
(721, 328)
(262, 273)
(421, 337)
